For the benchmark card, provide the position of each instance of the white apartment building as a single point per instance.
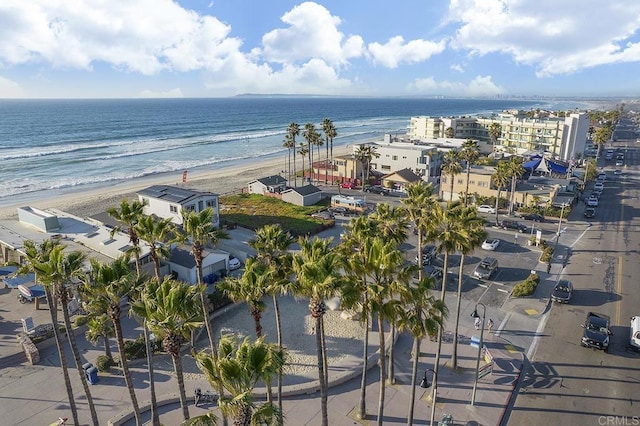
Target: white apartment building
(167, 201)
(563, 137)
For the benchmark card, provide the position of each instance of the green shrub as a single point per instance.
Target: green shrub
(104, 363)
(547, 254)
(134, 349)
(526, 287)
(81, 320)
(218, 300)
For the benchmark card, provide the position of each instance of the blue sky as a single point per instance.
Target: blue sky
(214, 48)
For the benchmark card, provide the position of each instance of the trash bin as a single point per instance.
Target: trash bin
(86, 366)
(92, 375)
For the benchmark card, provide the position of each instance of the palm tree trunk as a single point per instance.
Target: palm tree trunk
(362, 409)
(466, 191)
(391, 379)
(289, 167)
(436, 364)
(382, 371)
(324, 355)
(414, 373)
(310, 162)
(107, 347)
(331, 153)
(323, 385)
(498, 204)
(53, 310)
(276, 309)
(177, 367)
(295, 172)
(451, 192)
(117, 325)
(155, 417)
(76, 355)
(454, 355)
(326, 164)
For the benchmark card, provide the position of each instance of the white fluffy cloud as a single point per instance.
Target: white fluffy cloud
(395, 51)
(555, 37)
(478, 87)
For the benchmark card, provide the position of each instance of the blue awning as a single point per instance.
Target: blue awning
(531, 165)
(557, 168)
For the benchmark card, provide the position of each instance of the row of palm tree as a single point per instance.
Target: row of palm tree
(313, 139)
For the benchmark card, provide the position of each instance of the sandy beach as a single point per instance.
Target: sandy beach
(90, 200)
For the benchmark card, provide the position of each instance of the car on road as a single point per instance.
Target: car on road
(486, 268)
(339, 210)
(619, 162)
(596, 331)
(348, 185)
(512, 224)
(562, 291)
(592, 201)
(234, 263)
(602, 176)
(532, 216)
(598, 186)
(377, 189)
(589, 212)
(324, 214)
(486, 209)
(617, 172)
(490, 244)
(634, 336)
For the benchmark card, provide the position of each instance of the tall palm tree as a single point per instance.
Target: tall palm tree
(271, 244)
(104, 287)
(316, 267)
(422, 315)
(60, 271)
(449, 132)
(39, 254)
(318, 142)
(238, 370)
(418, 205)
(470, 154)
(390, 223)
(495, 130)
(473, 226)
(309, 133)
(293, 130)
(330, 132)
(365, 154)
(515, 171)
(128, 215)
(157, 233)
(290, 144)
(451, 166)
(303, 151)
(172, 310)
(500, 180)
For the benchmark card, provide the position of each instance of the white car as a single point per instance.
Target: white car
(592, 202)
(234, 263)
(598, 186)
(617, 172)
(490, 244)
(619, 162)
(486, 209)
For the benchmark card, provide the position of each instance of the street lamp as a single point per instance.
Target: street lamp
(424, 383)
(559, 226)
(474, 314)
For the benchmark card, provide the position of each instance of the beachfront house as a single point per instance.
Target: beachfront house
(167, 201)
(307, 195)
(267, 185)
(183, 266)
(397, 181)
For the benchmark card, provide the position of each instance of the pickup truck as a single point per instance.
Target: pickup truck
(596, 331)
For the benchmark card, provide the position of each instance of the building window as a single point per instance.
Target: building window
(482, 184)
(190, 207)
(173, 208)
(460, 181)
(211, 203)
(385, 167)
(395, 158)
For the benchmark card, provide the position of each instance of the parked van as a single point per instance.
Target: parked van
(634, 337)
(486, 268)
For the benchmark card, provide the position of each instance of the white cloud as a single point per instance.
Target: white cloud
(10, 89)
(457, 67)
(479, 86)
(555, 37)
(173, 93)
(396, 51)
(312, 33)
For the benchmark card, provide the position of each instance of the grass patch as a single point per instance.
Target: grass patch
(254, 211)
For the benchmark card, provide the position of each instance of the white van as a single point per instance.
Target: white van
(634, 335)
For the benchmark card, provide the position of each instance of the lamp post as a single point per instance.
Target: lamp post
(474, 314)
(424, 383)
(559, 226)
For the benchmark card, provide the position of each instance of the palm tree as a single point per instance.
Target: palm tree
(495, 130)
(500, 180)
(418, 205)
(364, 154)
(59, 271)
(100, 329)
(317, 272)
(157, 233)
(104, 287)
(289, 143)
(451, 166)
(128, 215)
(449, 132)
(390, 222)
(330, 132)
(238, 370)
(515, 171)
(303, 151)
(309, 133)
(39, 254)
(473, 226)
(470, 153)
(293, 130)
(422, 315)
(271, 244)
(172, 311)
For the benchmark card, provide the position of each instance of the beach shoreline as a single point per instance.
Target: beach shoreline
(85, 201)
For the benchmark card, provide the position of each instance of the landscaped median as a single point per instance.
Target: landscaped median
(526, 287)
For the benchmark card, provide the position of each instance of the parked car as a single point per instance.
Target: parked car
(234, 263)
(486, 268)
(617, 172)
(619, 162)
(490, 244)
(598, 186)
(634, 337)
(592, 201)
(348, 185)
(339, 210)
(596, 331)
(377, 189)
(602, 176)
(589, 212)
(324, 214)
(512, 224)
(532, 216)
(562, 291)
(429, 253)
(486, 209)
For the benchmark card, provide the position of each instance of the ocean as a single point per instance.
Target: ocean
(57, 144)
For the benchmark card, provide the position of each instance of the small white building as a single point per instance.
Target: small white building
(267, 185)
(307, 195)
(183, 265)
(167, 201)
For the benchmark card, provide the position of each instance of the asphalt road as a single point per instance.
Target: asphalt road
(567, 383)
